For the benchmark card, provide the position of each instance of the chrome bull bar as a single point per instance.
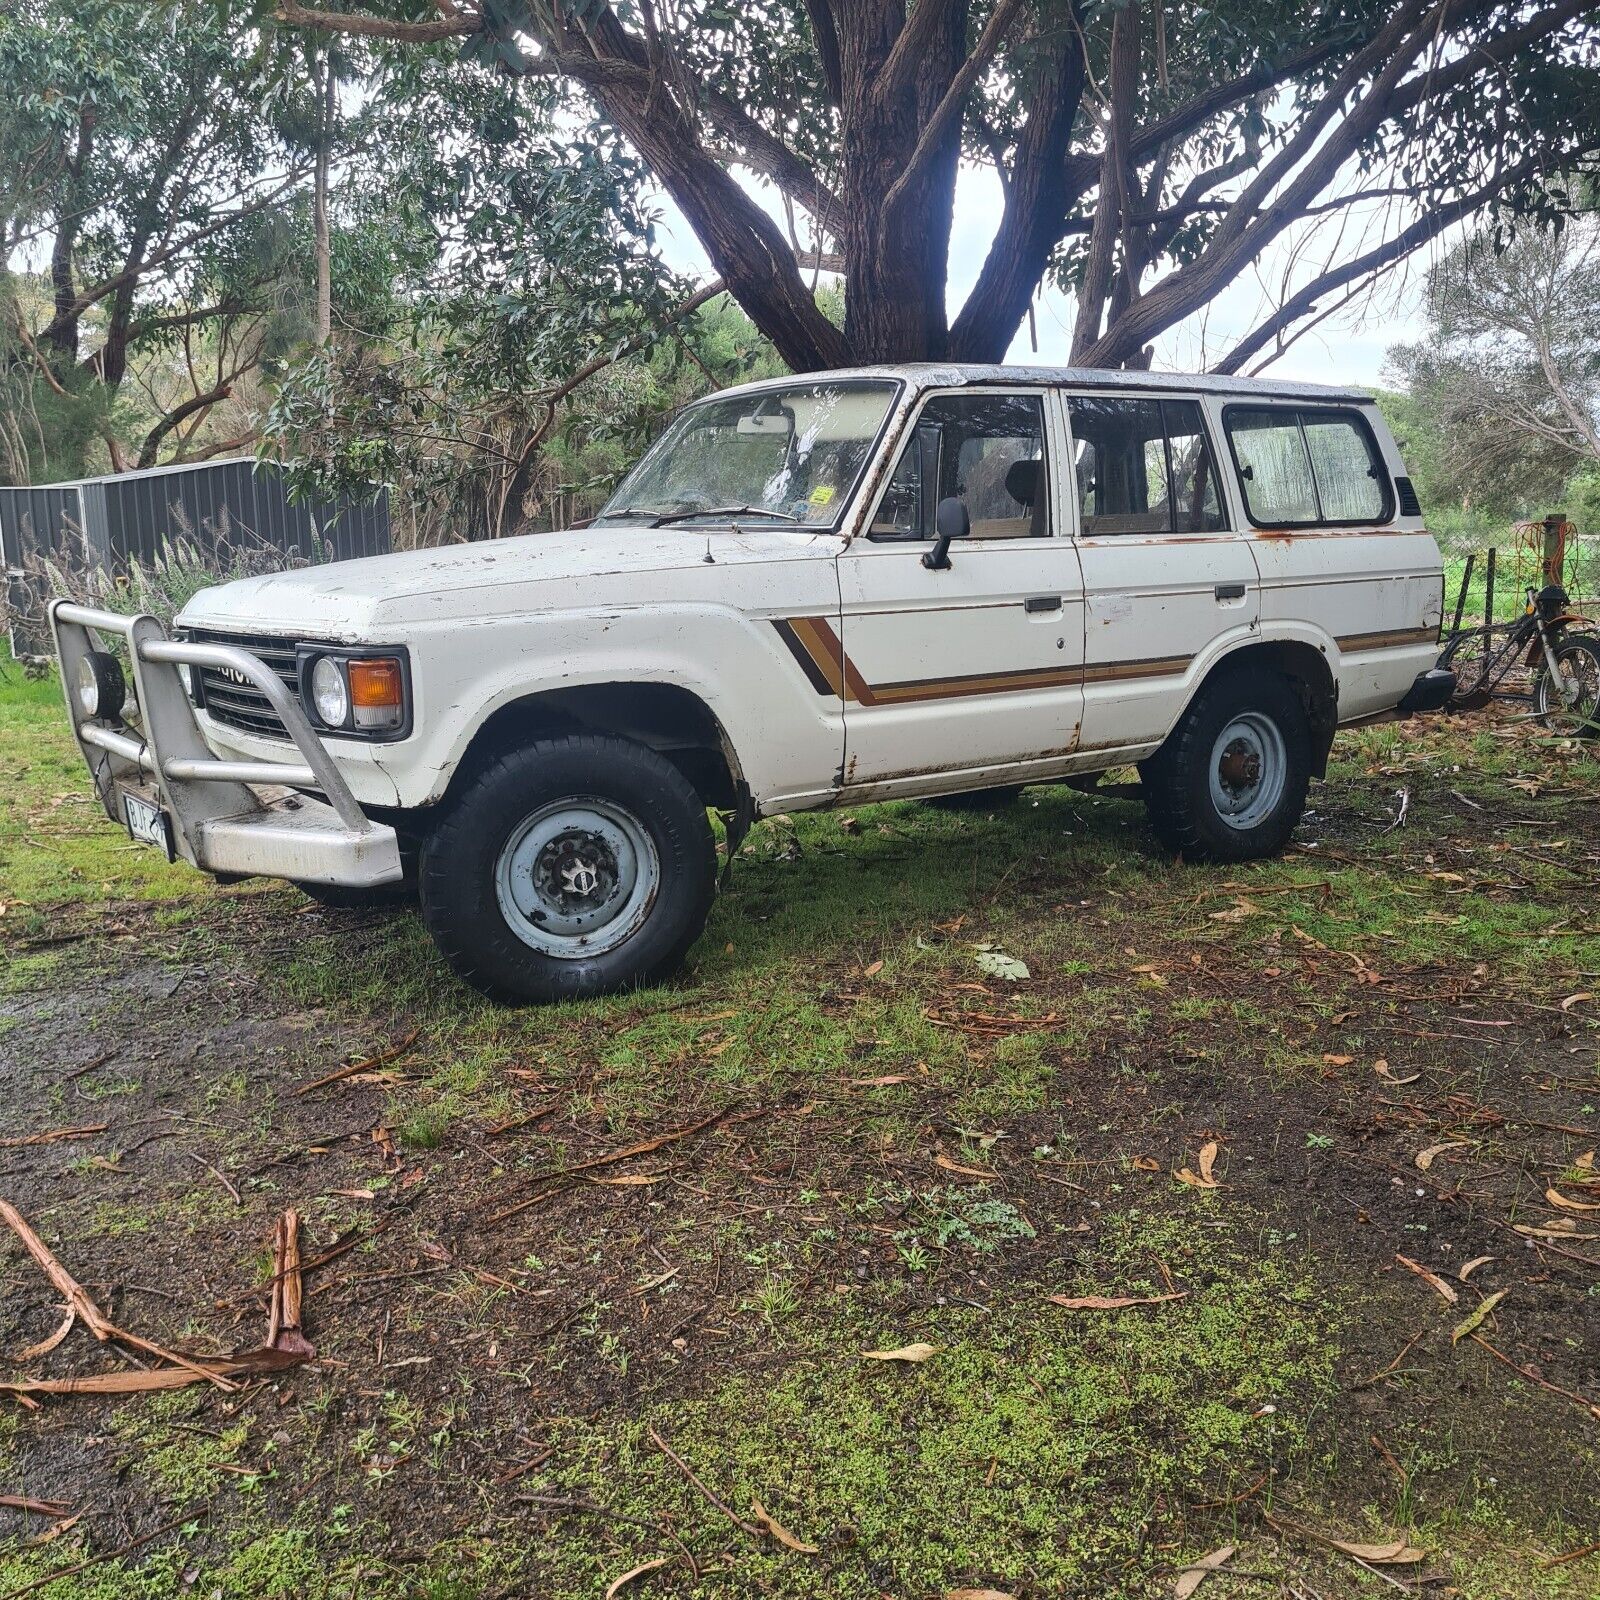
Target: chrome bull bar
(219, 821)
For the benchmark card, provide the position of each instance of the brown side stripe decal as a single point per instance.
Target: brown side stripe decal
(1391, 640)
(814, 644)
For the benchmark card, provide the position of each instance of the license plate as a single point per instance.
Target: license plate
(147, 823)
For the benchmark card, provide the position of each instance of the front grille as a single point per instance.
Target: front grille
(242, 705)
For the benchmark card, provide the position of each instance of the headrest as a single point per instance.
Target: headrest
(1022, 481)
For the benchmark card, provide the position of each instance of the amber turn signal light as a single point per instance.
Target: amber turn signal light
(377, 692)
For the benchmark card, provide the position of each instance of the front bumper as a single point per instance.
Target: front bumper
(1431, 690)
(236, 818)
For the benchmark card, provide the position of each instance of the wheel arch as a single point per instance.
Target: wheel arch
(1307, 668)
(665, 717)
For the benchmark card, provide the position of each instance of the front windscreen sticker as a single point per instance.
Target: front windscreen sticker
(822, 494)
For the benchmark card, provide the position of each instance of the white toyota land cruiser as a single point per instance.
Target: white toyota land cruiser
(908, 581)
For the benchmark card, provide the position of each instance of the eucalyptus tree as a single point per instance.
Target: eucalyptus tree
(1149, 150)
(1506, 383)
(154, 215)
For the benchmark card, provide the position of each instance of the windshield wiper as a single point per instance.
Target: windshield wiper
(652, 519)
(726, 511)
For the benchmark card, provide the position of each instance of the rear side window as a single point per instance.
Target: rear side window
(1307, 466)
(1142, 466)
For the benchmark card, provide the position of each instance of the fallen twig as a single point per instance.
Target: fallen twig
(95, 1561)
(352, 1068)
(55, 1135)
(644, 1148)
(200, 1161)
(1533, 1377)
(689, 1472)
(37, 1508)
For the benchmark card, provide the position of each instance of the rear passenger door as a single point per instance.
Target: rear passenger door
(1164, 574)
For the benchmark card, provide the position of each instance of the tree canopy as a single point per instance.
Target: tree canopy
(1149, 150)
(1505, 387)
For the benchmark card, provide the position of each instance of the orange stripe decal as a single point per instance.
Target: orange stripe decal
(823, 659)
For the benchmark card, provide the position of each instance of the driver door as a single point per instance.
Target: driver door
(976, 669)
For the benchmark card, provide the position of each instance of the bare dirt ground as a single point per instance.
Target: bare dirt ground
(590, 1289)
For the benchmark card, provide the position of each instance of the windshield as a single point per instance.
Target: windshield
(783, 455)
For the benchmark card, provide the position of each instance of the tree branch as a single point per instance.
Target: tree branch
(361, 26)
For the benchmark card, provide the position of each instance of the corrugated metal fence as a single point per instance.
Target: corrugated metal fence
(112, 521)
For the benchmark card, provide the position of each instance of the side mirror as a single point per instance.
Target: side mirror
(950, 521)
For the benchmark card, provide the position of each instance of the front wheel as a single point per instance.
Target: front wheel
(1230, 782)
(1570, 702)
(576, 866)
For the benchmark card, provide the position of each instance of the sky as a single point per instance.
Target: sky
(1348, 348)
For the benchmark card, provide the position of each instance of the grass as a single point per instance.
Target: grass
(917, 1152)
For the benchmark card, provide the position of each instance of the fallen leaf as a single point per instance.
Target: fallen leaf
(882, 1083)
(48, 1343)
(1337, 1061)
(1576, 999)
(55, 1530)
(970, 1172)
(1425, 1158)
(1238, 911)
(999, 965)
(1565, 1228)
(1561, 1203)
(617, 1585)
(1432, 1279)
(1468, 1267)
(1397, 1554)
(1382, 1069)
(632, 1180)
(1585, 1162)
(769, 1524)
(1146, 1164)
(873, 970)
(1202, 1179)
(979, 1594)
(1197, 1572)
(914, 1353)
(1475, 1317)
(1112, 1302)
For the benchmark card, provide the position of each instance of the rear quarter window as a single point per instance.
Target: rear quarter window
(1307, 466)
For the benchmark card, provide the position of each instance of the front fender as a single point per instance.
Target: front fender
(787, 740)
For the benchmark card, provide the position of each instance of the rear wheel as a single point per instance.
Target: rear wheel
(1230, 782)
(576, 866)
(1570, 702)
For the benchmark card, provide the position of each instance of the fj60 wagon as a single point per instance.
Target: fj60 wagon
(912, 581)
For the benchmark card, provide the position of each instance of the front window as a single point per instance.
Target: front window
(790, 455)
(986, 450)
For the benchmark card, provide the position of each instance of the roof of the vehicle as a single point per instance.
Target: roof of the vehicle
(944, 374)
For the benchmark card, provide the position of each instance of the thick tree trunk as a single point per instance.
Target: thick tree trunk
(322, 245)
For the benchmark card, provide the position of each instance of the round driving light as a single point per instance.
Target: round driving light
(101, 689)
(329, 694)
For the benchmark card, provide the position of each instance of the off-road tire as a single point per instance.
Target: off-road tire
(1577, 646)
(1177, 779)
(462, 911)
(977, 799)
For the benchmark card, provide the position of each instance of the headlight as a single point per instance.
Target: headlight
(329, 693)
(101, 687)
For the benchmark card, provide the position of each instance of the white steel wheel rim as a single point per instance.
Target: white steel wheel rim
(1249, 770)
(577, 878)
(1573, 698)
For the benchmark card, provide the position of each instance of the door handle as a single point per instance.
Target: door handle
(1037, 603)
(1229, 591)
